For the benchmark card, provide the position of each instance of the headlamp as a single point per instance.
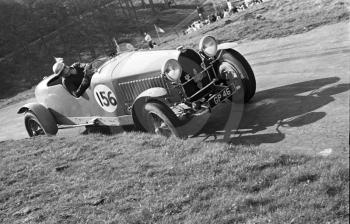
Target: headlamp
(172, 70)
(208, 46)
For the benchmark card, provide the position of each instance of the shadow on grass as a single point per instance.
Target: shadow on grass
(286, 106)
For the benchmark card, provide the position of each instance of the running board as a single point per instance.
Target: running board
(99, 121)
(73, 126)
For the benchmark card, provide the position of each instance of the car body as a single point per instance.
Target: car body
(157, 91)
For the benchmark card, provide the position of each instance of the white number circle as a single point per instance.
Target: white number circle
(105, 98)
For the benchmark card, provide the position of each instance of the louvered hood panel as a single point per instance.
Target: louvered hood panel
(142, 64)
(140, 71)
(132, 89)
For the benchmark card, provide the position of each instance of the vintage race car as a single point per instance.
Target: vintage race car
(162, 91)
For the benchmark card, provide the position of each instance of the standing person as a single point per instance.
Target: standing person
(218, 16)
(200, 12)
(76, 78)
(234, 9)
(149, 40)
(226, 14)
(229, 6)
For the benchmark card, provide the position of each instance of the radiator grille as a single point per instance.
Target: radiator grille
(133, 88)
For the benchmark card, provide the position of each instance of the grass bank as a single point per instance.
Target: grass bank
(141, 178)
(271, 19)
(22, 96)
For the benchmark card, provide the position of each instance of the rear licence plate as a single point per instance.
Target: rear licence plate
(219, 97)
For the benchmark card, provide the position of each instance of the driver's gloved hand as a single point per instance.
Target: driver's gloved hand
(83, 86)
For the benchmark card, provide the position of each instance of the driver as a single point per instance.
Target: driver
(76, 78)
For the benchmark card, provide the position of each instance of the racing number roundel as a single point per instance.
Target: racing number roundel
(105, 98)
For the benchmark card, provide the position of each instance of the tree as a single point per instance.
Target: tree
(152, 6)
(143, 4)
(166, 3)
(134, 10)
(122, 8)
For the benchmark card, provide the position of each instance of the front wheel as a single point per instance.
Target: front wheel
(35, 128)
(160, 119)
(232, 76)
(247, 75)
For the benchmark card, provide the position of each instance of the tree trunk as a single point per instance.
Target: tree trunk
(152, 6)
(143, 4)
(122, 8)
(134, 10)
(166, 3)
(128, 8)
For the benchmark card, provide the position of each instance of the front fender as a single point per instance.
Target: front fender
(229, 45)
(152, 94)
(155, 92)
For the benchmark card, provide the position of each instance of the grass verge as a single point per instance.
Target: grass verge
(22, 96)
(130, 178)
(271, 19)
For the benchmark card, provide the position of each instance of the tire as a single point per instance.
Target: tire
(35, 128)
(242, 65)
(160, 119)
(229, 71)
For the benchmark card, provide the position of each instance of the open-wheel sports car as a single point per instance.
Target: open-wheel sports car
(160, 91)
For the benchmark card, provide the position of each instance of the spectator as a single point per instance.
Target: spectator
(209, 19)
(229, 6)
(218, 16)
(226, 14)
(234, 9)
(212, 18)
(149, 40)
(200, 12)
(169, 3)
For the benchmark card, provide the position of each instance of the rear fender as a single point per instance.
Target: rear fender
(43, 115)
(153, 94)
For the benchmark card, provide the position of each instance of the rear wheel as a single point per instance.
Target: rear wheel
(160, 119)
(35, 128)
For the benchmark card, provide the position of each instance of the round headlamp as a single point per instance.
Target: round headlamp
(208, 46)
(172, 70)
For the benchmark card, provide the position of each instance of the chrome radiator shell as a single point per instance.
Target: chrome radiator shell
(132, 89)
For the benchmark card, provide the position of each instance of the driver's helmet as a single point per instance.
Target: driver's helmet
(58, 67)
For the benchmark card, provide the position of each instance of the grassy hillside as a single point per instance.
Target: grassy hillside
(272, 19)
(31, 37)
(130, 178)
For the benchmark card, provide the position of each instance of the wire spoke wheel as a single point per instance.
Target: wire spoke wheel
(158, 118)
(34, 128)
(243, 69)
(233, 76)
(231, 73)
(159, 125)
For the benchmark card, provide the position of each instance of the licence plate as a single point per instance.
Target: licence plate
(219, 97)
